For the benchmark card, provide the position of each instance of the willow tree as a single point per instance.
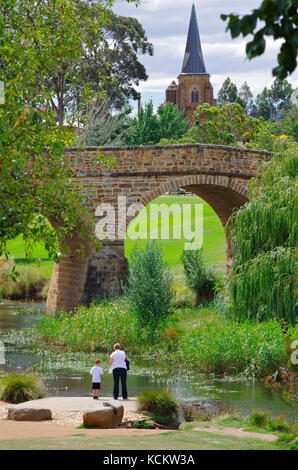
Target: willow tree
(263, 237)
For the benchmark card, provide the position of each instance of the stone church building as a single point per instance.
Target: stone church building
(194, 87)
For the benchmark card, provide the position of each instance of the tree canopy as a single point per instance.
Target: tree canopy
(223, 126)
(38, 37)
(108, 64)
(271, 102)
(228, 93)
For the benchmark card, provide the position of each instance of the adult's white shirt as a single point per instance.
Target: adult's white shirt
(118, 357)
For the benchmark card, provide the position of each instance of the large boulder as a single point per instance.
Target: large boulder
(117, 415)
(104, 418)
(29, 414)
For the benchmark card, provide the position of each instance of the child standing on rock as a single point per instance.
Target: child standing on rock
(96, 373)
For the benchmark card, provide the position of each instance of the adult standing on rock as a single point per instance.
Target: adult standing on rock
(119, 368)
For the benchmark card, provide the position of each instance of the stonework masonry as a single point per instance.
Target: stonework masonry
(218, 174)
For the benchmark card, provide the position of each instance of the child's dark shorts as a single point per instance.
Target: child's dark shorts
(95, 385)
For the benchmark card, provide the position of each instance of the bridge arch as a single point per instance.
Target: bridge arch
(222, 193)
(211, 188)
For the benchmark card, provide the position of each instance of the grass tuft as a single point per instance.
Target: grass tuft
(17, 388)
(162, 404)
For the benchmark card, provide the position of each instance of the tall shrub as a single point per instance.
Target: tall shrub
(199, 278)
(263, 236)
(149, 289)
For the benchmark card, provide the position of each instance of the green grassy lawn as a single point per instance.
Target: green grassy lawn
(213, 232)
(213, 238)
(39, 253)
(175, 440)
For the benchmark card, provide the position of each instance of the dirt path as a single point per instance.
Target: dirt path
(22, 430)
(237, 432)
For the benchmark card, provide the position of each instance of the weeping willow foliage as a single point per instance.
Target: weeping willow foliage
(263, 241)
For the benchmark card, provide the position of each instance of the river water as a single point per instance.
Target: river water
(68, 374)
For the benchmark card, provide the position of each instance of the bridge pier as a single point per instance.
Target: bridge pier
(106, 272)
(67, 284)
(76, 281)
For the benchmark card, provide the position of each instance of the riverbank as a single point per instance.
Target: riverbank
(198, 340)
(224, 433)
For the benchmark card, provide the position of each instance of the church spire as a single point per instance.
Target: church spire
(193, 59)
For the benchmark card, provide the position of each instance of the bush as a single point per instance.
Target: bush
(199, 278)
(193, 413)
(162, 404)
(17, 388)
(149, 290)
(280, 425)
(259, 418)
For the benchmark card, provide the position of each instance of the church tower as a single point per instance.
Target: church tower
(194, 87)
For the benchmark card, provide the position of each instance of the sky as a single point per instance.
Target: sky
(166, 25)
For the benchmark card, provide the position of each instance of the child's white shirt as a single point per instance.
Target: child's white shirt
(96, 373)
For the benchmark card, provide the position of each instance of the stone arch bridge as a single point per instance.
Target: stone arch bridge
(217, 174)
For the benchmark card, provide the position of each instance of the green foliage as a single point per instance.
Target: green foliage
(146, 130)
(263, 419)
(142, 425)
(263, 239)
(17, 388)
(149, 127)
(199, 278)
(149, 290)
(284, 131)
(264, 287)
(193, 413)
(92, 329)
(111, 63)
(194, 340)
(223, 126)
(30, 311)
(172, 123)
(273, 101)
(38, 38)
(259, 418)
(27, 284)
(105, 129)
(162, 404)
(245, 97)
(224, 347)
(277, 19)
(279, 424)
(183, 140)
(228, 93)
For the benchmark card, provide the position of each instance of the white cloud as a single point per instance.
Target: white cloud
(166, 24)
